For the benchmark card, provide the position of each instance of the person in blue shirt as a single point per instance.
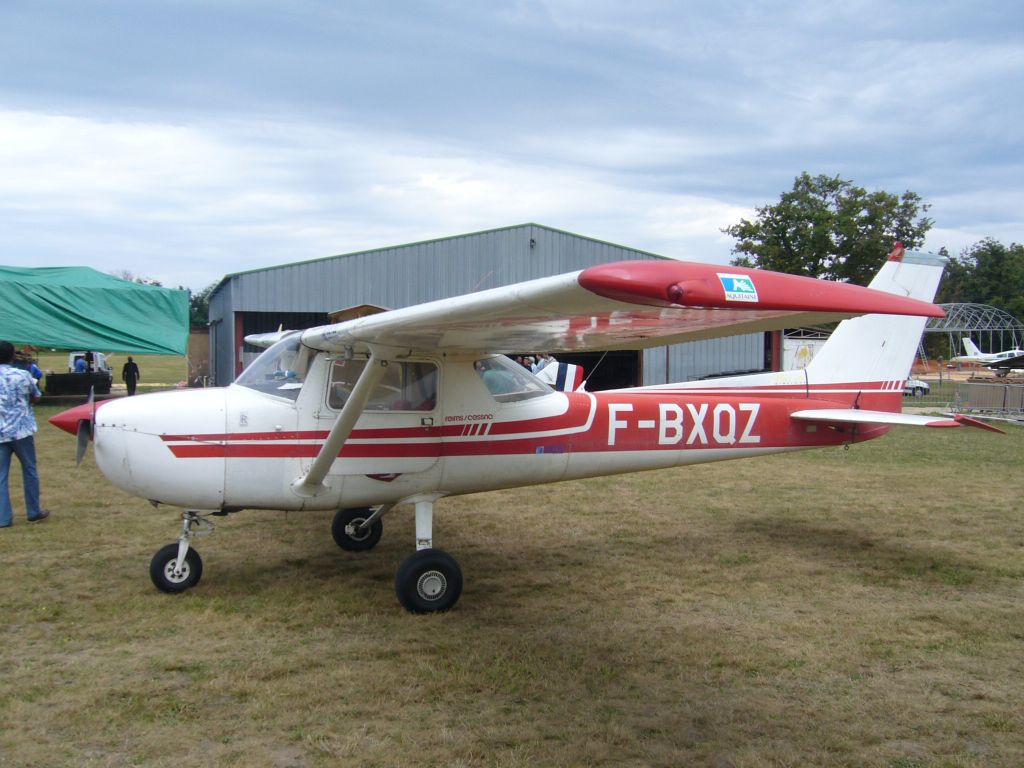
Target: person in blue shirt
(18, 391)
(28, 363)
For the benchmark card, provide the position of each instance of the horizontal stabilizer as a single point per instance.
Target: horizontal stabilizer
(861, 416)
(967, 421)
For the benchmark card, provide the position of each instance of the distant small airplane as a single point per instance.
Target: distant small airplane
(408, 406)
(999, 361)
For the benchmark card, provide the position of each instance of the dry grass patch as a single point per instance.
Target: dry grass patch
(822, 608)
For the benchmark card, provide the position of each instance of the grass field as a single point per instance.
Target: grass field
(830, 608)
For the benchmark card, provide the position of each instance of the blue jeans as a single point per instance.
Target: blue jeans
(25, 450)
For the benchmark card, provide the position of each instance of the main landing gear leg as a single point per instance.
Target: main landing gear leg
(430, 580)
(178, 567)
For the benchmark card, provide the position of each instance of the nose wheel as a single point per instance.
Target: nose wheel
(169, 576)
(178, 567)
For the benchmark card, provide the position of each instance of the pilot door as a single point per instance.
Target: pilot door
(396, 439)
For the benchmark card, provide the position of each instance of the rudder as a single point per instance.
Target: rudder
(881, 348)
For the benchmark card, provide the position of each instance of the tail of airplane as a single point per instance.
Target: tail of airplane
(881, 348)
(867, 359)
(971, 348)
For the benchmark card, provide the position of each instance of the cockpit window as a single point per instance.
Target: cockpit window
(508, 381)
(280, 370)
(406, 386)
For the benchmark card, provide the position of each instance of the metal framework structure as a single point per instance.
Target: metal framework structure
(993, 330)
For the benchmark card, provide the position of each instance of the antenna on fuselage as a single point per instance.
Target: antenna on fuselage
(597, 365)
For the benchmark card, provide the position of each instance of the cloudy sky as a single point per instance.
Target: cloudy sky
(181, 140)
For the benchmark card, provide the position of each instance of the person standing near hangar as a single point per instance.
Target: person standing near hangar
(130, 375)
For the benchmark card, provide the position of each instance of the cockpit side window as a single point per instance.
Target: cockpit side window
(406, 386)
(280, 370)
(509, 382)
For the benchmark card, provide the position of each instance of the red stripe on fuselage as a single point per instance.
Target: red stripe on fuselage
(626, 421)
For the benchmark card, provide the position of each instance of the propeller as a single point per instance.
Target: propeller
(85, 428)
(78, 421)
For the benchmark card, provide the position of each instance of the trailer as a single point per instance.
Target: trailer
(87, 371)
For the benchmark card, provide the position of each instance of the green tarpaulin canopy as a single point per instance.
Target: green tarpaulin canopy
(80, 308)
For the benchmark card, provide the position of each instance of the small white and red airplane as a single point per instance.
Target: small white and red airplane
(412, 405)
(1000, 361)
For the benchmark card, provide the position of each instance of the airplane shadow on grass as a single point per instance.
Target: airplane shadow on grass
(876, 559)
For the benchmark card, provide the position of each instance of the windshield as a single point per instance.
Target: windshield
(508, 381)
(280, 370)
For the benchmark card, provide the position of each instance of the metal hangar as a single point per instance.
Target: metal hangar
(303, 294)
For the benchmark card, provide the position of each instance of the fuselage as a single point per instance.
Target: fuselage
(438, 428)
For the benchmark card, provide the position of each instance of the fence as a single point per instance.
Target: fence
(987, 397)
(1000, 398)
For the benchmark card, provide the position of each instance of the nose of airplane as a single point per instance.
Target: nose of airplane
(70, 419)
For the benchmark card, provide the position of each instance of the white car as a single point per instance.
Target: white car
(916, 387)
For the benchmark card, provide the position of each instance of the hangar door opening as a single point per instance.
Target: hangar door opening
(267, 322)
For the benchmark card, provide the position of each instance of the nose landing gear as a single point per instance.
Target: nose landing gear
(178, 567)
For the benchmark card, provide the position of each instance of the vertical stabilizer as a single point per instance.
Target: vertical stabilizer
(971, 348)
(881, 348)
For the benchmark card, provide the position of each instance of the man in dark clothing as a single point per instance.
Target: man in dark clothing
(130, 375)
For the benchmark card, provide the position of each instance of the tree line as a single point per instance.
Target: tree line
(828, 227)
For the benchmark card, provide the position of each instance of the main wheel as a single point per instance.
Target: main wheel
(161, 569)
(359, 541)
(428, 581)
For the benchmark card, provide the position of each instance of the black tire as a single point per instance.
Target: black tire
(428, 582)
(918, 392)
(361, 543)
(161, 569)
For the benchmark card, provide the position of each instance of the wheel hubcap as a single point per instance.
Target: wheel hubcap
(171, 576)
(431, 585)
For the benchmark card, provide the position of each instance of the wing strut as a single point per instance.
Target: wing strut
(312, 482)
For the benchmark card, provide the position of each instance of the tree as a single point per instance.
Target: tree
(987, 273)
(199, 306)
(131, 277)
(828, 227)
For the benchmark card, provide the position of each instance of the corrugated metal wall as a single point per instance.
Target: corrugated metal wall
(221, 334)
(412, 274)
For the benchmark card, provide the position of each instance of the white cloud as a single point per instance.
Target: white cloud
(204, 200)
(652, 124)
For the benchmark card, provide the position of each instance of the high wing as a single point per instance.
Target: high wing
(622, 305)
